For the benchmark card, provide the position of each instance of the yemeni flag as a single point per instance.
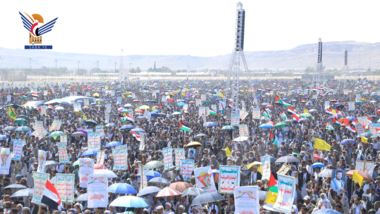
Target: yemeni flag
(316, 156)
(183, 127)
(230, 104)
(272, 192)
(283, 115)
(34, 94)
(351, 128)
(291, 111)
(51, 197)
(278, 100)
(315, 89)
(331, 111)
(212, 112)
(336, 122)
(273, 138)
(126, 118)
(329, 127)
(137, 136)
(296, 117)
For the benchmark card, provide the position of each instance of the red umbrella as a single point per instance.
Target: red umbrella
(378, 111)
(167, 191)
(100, 166)
(365, 175)
(180, 186)
(156, 107)
(344, 120)
(171, 100)
(136, 101)
(139, 111)
(269, 106)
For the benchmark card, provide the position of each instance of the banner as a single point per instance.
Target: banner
(204, 179)
(100, 129)
(284, 169)
(243, 114)
(64, 183)
(213, 107)
(93, 140)
(41, 161)
(77, 107)
(247, 200)
(97, 191)
(63, 138)
(286, 191)
(365, 166)
(235, 119)
(203, 97)
(198, 102)
(100, 157)
(358, 97)
(327, 104)
(266, 167)
(187, 168)
(359, 128)
(120, 158)
(373, 128)
(86, 168)
(107, 117)
(39, 186)
(229, 178)
(147, 115)
(86, 101)
(351, 106)
(142, 141)
(256, 113)
(5, 161)
(363, 121)
(243, 130)
(17, 149)
(43, 110)
(168, 158)
(108, 108)
(62, 151)
(143, 178)
(56, 125)
(40, 127)
(118, 100)
(179, 155)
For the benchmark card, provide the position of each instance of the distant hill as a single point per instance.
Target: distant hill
(297, 58)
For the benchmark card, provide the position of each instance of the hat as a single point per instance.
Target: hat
(27, 209)
(145, 210)
(306, 198)
(8, 202)
(182, 207)
(168, 203)
(159, 207)
(18, 176)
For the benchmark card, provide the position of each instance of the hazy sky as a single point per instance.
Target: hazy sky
(196, 27)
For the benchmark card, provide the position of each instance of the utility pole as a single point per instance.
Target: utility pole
(115, 70)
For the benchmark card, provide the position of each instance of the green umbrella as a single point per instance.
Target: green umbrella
(20, 121)
(227, 128)
(126, 111)
(206, 102)
(306, 115)
(153, 164)
(280, 125)
(23, 129)
(76, 163)
(295, 154)
(56, 134)
(90, 123)
(156, 111)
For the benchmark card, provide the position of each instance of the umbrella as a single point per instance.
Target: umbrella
(167, 191)
(326, 173)
(148, 190)
(193, 144)
(56, 134)
(122, 188)
(82, 197)
(181, 104)
(20, 121)
(3, 137)
(151, 174)
(313, 110)
(176, 113)
(90, 123)
(207, 197)
(23, 129)
(140, 118)
(9, 128)
(23, 193)
(78, 134)
(126, 127)
(227, 128)
(280, 125)
(241, 138)
(153, 164)
(109, 173)
(113, 143)
(366, 176)
(99, 166)
(193, 191)
(318, 164)
(254, 164)
(138, 130)
(200, 135)
(326, 211)
(287, 159)
(305, 115)
(346, 141)
(159, 180)
(111, 125)
(210, 124)
(128, 106)
(76, 163)
(180, 186)
(51, 163)
(96, 95)
(266, 126)
(89, 152)
(15, 186)
(129, 201)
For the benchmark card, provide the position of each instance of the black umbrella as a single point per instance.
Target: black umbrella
(287, 159)
(15, 186)
(207, 197)
(90, 123)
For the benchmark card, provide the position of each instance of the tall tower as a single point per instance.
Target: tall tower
(317, 76)
(123, 74)
(236, 58)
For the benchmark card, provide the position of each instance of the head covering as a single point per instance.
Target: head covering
(159, 207)
(26, 209)
(168, 203)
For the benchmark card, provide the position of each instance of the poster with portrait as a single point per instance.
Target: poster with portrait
(247, 199)
(41, 161)
(97, 191)
(204, 179)
(338, 180)
(191, 154)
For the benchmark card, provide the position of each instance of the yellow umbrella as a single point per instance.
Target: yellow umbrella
(78, 112)
(259, 168)
(193, 144)
(96, 95)
(144, 107)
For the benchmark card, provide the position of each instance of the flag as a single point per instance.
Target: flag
(296, 117)
(357, 177)
(291, 111)
(273, 138)
(305, 111)
(272, 191)
(183, 127)
(316, 156)
(11, 113)
(228, 152)
(221, 95)
(283, 115)
(84, 117)
(329, 127)
(321, 144)
(127, 117)
(50, 106)
(278, 100)
(265, 113)
(364, 140)
(212, 112)
(51, 197)
(34, 94)
(336, 123)
(137, 136)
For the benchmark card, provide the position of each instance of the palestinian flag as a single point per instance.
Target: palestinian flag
(51, 197)
(369, 120)
(272, 193)
(296, 117)
(329, 127)
(183, 127)
(212, 112)
(11, 113)
(24, 96)
(291, 111)
(127, 117)
(336, 123)
(273, 139)
(137, 136)
(230, 104)
(265, 113)
(278, 100)
(316, 156)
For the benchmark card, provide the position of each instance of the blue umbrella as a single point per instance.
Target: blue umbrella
(113, 143)
(181, 104)
(154, 115)
(318, 164)
(129, 201)
(346, 141)
(89, 152)
(149, 190)
(126, 127)
(138, 130)
(209, 124)
(3, 137)
(23, 129)
(326, 211)
(122, 188)
(351, 118)
(227, 128)
(266, 126)
(151, 174)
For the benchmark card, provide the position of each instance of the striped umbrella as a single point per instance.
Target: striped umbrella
(167, 191)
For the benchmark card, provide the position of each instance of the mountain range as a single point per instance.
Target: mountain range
(360, 55)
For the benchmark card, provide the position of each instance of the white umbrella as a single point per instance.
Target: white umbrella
(326, 173)
(107, 172)
(241, 138)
